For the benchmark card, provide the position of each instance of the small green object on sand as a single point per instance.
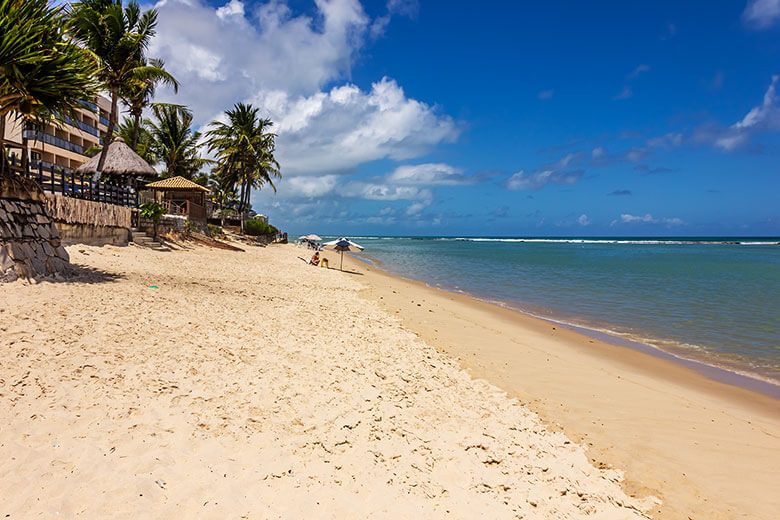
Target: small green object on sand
(153, 287)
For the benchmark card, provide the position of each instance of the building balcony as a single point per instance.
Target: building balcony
(82, 126)
(89, 105)
(52, 140)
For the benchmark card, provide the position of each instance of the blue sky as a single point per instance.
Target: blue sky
(544, 118)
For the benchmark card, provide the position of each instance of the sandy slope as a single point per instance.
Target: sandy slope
(250, 385)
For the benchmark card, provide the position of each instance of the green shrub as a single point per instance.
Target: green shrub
(257, 227)
(215, 231)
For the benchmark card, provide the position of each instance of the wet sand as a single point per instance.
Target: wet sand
(709, 450)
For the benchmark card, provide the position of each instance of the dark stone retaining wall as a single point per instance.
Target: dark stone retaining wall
(30, 245)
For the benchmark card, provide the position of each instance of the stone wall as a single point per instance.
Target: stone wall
(30, 245)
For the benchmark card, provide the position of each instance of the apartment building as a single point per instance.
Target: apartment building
(63, 144)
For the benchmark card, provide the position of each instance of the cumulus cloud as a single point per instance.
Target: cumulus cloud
(267, 55)
(583, 220)
(311, 186)
(761, 14)
(336, 131)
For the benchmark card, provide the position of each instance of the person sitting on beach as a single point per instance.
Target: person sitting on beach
(315, 260)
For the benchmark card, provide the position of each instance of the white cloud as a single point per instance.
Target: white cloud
(297, 68)
(310, 186)
(670, 140)
(338, 130)
(583, 220)
(762, 118)
(430, 174)
(381, 191)
(524, 181)
(761, 14)
(234, 7)
(637, 71)
(766, 115)
(648, 219)
(624, 94)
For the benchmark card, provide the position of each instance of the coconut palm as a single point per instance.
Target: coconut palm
(42, 73)
(139, 94)
(140, 131)
(117, 36)
(245, 151)
(127, 129)
(173, 141)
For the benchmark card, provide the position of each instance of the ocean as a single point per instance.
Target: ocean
(710, 300)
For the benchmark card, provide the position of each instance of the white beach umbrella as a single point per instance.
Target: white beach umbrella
(341, 245)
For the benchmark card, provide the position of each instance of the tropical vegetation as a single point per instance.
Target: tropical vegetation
(55, 59)
(257, 227)
(117, 36)
(42, 72)
(244, 148)
(138, 95)
(154, 211)
(173, 141)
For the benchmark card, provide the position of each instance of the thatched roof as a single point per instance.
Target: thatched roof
(175, 183)
(120, 160)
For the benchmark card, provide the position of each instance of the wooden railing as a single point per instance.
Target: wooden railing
(186, 208)
(59, 181)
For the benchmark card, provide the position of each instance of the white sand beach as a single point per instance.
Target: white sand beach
(206, 383)
(250, 385)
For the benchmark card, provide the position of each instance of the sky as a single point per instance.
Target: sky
(407, 117)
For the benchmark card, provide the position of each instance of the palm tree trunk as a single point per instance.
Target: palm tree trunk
(241, 207)
(137, 121)
(2, 144)
(109, 133)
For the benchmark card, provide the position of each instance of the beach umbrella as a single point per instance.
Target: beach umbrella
(341, 245)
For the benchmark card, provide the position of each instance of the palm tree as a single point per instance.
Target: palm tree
(173, 141)
(139, 94)
(42, 73)
(245, 151)
(127, 129)
(117, 36)
(140, 131)
(221, 195)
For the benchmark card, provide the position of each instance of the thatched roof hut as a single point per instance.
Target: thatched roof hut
(121, 160)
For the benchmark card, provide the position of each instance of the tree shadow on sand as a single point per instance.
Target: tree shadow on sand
(77, 273)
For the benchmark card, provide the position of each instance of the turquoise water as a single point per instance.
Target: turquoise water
(715, 300)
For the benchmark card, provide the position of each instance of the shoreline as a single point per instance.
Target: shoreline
(707, 365)
(676, 433)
